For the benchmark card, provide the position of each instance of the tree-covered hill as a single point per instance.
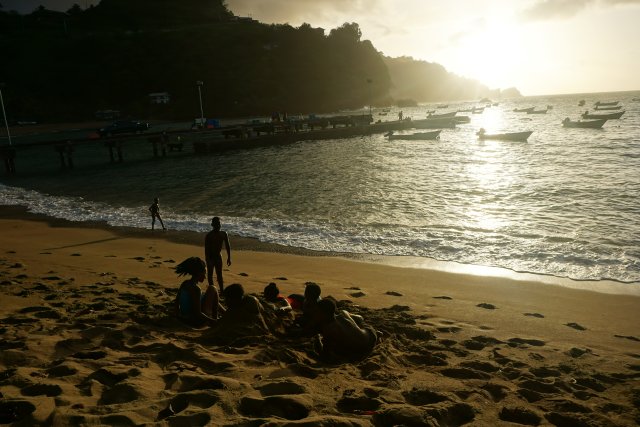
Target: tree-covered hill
(66, 66)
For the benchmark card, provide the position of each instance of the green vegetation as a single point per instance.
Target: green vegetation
(66, 66)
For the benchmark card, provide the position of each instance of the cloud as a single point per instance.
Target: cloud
(561, 9)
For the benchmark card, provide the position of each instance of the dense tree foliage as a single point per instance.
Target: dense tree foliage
(66, 66)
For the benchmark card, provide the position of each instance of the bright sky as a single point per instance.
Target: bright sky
(538, 46)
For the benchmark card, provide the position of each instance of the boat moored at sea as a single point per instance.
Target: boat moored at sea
(581, 103)
(523, 110)
(448, 123)
(418, 136)
(537, 112)
(608, 108)
(509, 136)
(442, 115)
(604, 104)
(609, 116)
(591, 124)
(462, 119)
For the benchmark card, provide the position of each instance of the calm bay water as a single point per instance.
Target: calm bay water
(565, 203)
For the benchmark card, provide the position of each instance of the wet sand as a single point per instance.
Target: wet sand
(88, 339)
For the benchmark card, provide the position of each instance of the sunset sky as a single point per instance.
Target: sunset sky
(538, 46)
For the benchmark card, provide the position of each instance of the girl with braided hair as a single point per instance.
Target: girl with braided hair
(191, 305)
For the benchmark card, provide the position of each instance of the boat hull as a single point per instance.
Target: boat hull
(603, 116)
(608, 108)
(513, 136)
(590, 124)
(433, 123)
(420, 136)
(523, 110)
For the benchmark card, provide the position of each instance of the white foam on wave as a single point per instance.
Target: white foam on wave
(447, 245)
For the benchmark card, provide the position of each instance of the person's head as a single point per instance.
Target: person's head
(193, 266)
(326, 310)
(271, 292)
(215, 223)
(233, 295)
(156, 200)
(312, 291)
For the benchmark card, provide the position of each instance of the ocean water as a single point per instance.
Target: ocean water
(565, 203)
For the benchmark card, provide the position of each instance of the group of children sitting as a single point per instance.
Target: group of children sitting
(340, 334)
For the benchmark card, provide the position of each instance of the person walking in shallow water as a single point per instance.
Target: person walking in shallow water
(155, 213)
(212, 247)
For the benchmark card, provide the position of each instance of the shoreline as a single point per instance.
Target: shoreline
(253, 244)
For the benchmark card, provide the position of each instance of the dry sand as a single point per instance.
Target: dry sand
(87, 339)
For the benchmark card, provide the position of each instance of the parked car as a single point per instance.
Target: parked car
(123, 126)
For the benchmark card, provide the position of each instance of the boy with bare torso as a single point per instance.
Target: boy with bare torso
(212, 248)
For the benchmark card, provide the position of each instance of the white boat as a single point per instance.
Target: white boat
(509, 136)
(591, 124)
(608, 108)
(604, 104)
(523, 110)
(433, 123)
(442, 115)
(609, 116)
(537, 112)
(416, 136)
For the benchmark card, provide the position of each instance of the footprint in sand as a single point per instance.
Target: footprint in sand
(442, 297)
(393, 293)
(358, 294)
(243, 274)
(538, 315)
(486, 306)
(627, 337)
(576, 326)
(279, 278)
(353, 288)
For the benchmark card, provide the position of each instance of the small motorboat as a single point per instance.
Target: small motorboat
(581, 103)
(604, 104)
(511, 136)
(592, 124)
(599, 108)
(415, 136)
(477, 110)
(636, 99)
(523, 110)
(434, 123)
(441, 116)
(430, 111)
(461, 119)
(609, 116)
(537, 112)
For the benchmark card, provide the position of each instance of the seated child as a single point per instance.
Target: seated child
(342, 338)
(243, 311)
(191, 306)
(272, 294)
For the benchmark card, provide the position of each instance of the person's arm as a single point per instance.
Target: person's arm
(228, 247)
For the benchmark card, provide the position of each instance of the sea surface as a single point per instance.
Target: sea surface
(566, 203)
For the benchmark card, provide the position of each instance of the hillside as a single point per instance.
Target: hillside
(66, 66)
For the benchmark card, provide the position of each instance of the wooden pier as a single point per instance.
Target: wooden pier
(163, 144)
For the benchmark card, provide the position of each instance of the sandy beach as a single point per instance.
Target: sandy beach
(88, 339)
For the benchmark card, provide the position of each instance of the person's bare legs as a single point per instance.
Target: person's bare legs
(210, 302)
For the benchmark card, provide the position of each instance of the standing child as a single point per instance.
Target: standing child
(191, 306)
(212, 247)
(155, 213)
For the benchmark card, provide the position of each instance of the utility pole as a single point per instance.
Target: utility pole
(200, 83)
(4, 114)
